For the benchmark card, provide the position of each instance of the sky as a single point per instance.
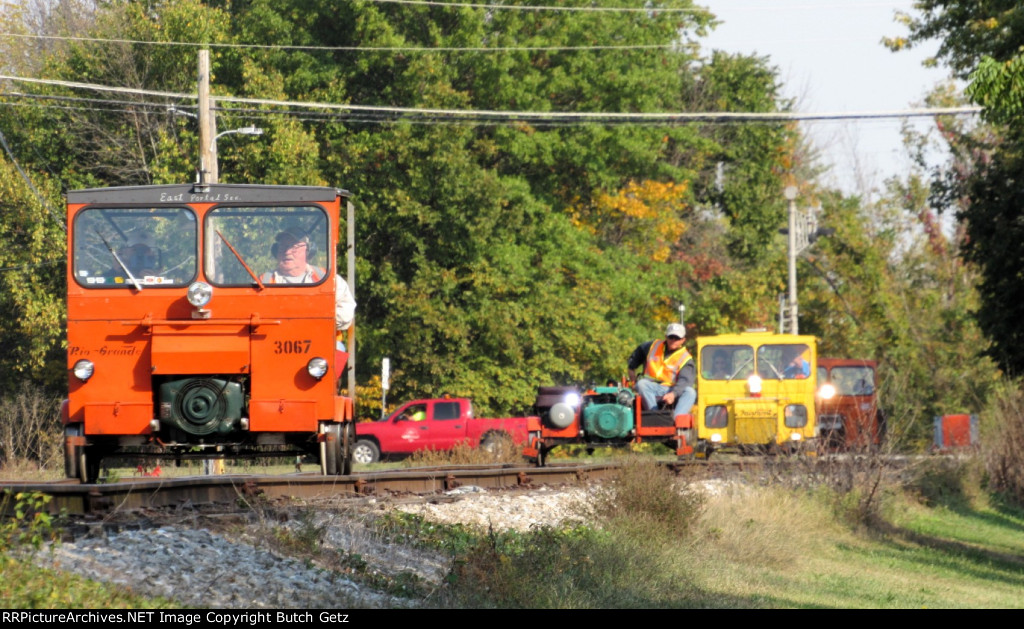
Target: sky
(830, 59)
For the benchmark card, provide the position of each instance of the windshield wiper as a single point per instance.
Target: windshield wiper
(769, 363)
(254, 277)
(740, 368)
(121, 264)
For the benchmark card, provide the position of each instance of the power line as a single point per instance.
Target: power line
(498, 115)
(619, 9)
(32, 187)
(428, 49)
(105, 110)
(765, 6)
(473, 49)
(25, 267)
(93, 101)
(366, 49)
(558, 9)
(349, 117)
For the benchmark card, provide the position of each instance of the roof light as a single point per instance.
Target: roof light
(754, 385)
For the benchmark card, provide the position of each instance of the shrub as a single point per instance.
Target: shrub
(762, 525)
(858, 483)
(504, 451)
(647, 495)
(304, 538)
(633, 556)
(1002, 441)
(573, 568)
(943, 481)
(32, 525)
(30, 429)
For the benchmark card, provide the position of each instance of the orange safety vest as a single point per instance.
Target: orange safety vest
(662, 369)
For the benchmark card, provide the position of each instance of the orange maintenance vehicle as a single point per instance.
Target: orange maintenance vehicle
(849, 416)
(202, 324)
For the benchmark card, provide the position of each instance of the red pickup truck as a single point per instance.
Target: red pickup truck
(437, 424)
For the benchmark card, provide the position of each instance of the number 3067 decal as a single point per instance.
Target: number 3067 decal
(292, 347)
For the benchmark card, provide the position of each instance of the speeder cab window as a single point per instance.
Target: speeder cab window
(134, 247)
(281, 246)
(784, 361)
(726, 362)
(854, 380)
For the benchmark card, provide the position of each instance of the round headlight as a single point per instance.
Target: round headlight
(83, 370)
(317, 367)
(827, 391)
(572, 399)
(199, 294)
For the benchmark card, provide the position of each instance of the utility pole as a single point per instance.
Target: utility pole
(350, 224)
(207, 124)
(385, 384)
(790, 193)
(207, 175)
(803, 231)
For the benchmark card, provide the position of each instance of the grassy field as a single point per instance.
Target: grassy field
(780, 548)
(764, 545)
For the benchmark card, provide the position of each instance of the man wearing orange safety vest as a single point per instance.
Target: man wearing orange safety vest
(669, 371)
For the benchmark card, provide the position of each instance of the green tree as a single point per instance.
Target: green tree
(736, 259)
(890, 285)
(967, 31)
(32, 282)
(492, 255)
(982, 42)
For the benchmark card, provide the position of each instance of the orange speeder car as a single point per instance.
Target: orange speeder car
(184, 342)
(849, 416)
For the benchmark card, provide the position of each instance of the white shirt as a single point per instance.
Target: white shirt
(344, 304)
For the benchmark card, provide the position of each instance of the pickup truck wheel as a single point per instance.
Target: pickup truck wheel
(365, 452)
(495, 443)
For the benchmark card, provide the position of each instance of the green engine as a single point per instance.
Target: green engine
(202, 406)
(608, 413)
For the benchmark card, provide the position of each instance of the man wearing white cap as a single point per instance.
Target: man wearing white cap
(669, 371)
(292, 251)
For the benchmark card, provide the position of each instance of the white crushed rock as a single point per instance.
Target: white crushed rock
(203, 569)
(505, 511)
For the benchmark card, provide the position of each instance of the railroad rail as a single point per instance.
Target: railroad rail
(75, 498)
